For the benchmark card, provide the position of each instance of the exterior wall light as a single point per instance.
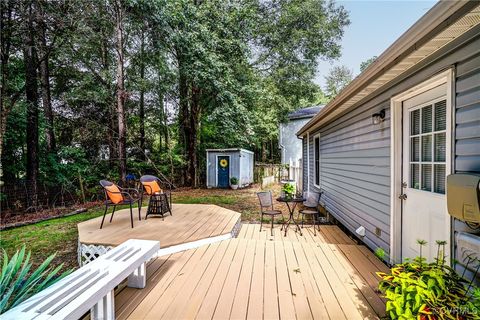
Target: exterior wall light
(378, 117)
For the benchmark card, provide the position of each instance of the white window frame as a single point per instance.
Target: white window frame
(396, 160)
(315, 162)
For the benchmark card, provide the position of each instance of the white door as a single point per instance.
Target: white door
(426, 162)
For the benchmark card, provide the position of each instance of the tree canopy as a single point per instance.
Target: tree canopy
(94, 89)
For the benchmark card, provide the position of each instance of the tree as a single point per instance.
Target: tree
(31, 94)
(366, 63)
(120, 89)
(337, 79)
(154, 81)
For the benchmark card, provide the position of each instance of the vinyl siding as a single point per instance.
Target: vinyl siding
(467, 127)
(355, 172)
(355, 154)
(467, 118)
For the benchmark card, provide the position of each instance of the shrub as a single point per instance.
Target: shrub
(234, 180)
(17, 284)
(419, 290)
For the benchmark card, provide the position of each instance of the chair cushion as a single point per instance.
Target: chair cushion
(307, 211)
(152, 187)
(114, 197)
(272, 212)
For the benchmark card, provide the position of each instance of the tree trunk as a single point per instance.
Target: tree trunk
(141, 112)
(183, 120)
(31, 91)
(122, 130)
(45, 79)
(193, 137)
(6, 104)
(264, 152)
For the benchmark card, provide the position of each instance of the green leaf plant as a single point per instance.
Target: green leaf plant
(416, 289)
(17, 283)
(288, 189)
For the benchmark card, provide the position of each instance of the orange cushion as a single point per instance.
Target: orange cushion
(114, 197)
(152, 187)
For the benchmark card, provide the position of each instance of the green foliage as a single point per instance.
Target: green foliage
(380, 253)
(18, 282)
(289, 189)
(234, 180)
(367, 62)
(416, 289)
(337, 79)
(245, 64)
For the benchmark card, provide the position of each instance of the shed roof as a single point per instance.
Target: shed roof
(229, 150)
(442, 24)
(308, 112)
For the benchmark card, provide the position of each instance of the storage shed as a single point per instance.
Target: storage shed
(222, 164)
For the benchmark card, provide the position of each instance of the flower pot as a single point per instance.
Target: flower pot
(234, 186)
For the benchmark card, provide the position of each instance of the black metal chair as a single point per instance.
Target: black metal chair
(266, 207)
(115, 195)
(311, 209)
(160, 201)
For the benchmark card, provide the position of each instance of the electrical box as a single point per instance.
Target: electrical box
(463, 197)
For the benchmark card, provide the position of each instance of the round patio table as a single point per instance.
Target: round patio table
(291, 204)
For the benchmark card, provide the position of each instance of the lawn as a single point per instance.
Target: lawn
(61, 236)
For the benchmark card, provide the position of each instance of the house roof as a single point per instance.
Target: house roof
(308, 112)
(442, 24)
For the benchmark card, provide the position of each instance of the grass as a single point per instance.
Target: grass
(44, 238)
(60, 235)
(215, 199)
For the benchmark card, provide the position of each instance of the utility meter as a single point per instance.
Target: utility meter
(463, 197)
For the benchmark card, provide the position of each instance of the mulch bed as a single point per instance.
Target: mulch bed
(10, 220)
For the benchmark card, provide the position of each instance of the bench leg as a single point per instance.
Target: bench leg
(138, 279)
(105, 308)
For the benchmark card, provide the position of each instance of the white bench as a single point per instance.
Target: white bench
(92, 286)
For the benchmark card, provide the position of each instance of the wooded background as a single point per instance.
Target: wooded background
(100, 89)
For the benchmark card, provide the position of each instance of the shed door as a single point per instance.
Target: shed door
(223, 171)
(425, 166)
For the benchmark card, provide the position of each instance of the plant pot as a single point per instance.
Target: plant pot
(234, 186)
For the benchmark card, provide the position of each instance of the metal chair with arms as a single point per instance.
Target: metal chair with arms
(266, 201)
(311, 208)
(115, 195)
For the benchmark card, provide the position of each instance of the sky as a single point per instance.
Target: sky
(374, 26)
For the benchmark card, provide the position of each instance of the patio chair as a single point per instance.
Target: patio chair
(266, 208)
(311, 209)
(115, 195)
(160, 201)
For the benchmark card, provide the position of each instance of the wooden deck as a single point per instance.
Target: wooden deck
(189, 222)
(256, 276)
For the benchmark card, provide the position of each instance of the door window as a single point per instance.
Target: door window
(428, 128)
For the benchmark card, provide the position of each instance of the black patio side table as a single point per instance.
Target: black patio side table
(158, 205)
(291, 205)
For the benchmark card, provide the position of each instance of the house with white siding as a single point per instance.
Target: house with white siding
(382, 149)
(289, 144)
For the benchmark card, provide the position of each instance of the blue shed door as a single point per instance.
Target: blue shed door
(223, 171)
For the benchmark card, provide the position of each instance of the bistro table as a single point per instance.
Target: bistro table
(291, 204)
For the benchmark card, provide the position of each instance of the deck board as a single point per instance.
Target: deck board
(258, 276)
(189, 222)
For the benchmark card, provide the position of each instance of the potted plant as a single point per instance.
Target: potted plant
(288, 190)
(234, 183)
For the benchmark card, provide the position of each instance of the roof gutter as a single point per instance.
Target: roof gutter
(434, 21)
